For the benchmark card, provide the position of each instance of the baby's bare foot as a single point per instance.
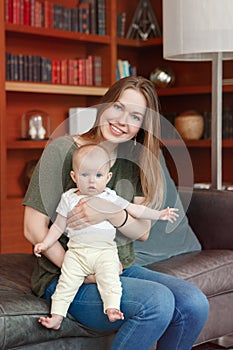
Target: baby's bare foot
(53, 322)
(114, 315)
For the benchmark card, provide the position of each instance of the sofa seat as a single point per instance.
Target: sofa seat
(20, 310)
(210, 270)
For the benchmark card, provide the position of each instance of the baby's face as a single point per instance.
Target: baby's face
(92, 176)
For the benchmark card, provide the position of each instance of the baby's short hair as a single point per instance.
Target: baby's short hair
(85, 150)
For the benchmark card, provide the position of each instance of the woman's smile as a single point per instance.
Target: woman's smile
(116, 130)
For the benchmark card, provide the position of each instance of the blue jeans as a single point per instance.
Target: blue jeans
(157, 308)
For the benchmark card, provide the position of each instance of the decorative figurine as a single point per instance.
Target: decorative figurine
(35, 125)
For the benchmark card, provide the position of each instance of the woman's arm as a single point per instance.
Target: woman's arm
(55, 232)
(140, 226)
(36, 229)
(93, 210)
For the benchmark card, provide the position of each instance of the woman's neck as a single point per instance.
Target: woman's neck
(111, 148)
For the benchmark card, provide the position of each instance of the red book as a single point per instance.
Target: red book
(21, 12)
(89, 70)
(64, 71)
(32, 12)
(38, 14)
(27, 13)
(56, 72)
(8, 11)
(16, 11)
(48, 14)
(82, 71)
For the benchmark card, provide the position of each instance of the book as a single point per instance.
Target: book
(89, 70)
(8, 66)
(39, 14)
(48, 14)
(121, 19)
(36, 68)
(84, 17)
(73, 72)
(92, 15)
(16, 12)
(27, 13)
(74, 19)
(101, 25)
(46, 70)
(21, 67)
(97, 70)
(31, 10)
(81, 119)
(82, 71)
(56, 72)
(64, 71)
(120, 72)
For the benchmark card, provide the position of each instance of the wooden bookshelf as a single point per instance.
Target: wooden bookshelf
(192, 90)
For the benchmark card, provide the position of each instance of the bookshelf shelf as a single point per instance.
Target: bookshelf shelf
(191, 90)
(140, 43)
(196, 143)
(54, 88)
(27, 144)
(56, 33)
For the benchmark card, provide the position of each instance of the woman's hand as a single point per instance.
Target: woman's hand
(93, 210)
(85, 213)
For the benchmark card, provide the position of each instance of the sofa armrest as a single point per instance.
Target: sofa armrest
(210, 215)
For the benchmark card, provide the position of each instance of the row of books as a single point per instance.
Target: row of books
(169, 131)
(87, 17)
(124, 69)
(80, 71)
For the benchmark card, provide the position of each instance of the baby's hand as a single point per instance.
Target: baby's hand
(39, 248)
(169, 214)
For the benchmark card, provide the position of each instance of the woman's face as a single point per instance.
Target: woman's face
(122, 120)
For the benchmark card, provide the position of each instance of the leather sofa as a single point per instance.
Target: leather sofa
(210, 215)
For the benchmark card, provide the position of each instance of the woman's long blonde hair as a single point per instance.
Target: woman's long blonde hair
(149, 135)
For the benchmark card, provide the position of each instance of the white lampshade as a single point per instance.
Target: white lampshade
(194, 29)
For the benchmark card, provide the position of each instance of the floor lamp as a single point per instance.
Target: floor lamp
(202, 30)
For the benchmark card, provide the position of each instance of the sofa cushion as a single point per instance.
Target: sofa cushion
(20, 309)
(210, 270)
(166, 239)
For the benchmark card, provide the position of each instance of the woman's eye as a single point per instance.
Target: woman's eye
(117, 106)
(136, 117)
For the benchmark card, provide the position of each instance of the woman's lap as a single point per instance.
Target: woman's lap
(138, 285)
(87, 306)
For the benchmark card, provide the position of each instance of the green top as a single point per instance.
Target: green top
(52, 177)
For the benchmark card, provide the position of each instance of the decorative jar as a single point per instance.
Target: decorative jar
(190, 125)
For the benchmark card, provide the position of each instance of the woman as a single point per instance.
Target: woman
(157, 307)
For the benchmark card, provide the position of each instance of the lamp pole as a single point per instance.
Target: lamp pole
(216, 128)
